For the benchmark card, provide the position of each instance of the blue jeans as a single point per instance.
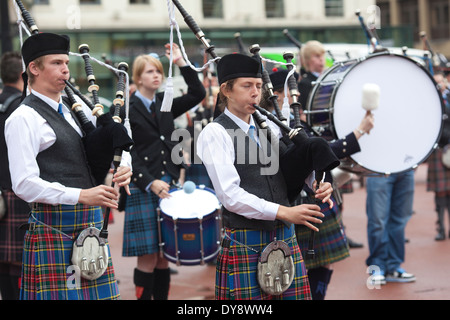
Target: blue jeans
(389, 206)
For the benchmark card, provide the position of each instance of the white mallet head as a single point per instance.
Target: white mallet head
(370, 96)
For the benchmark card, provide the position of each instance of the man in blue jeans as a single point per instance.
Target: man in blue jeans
(389, 206)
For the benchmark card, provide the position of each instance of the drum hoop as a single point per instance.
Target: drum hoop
(204, 218)
(193, 261)
(330, 108)
(191, 219)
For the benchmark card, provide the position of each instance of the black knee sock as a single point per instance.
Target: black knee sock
(161, 284)
(144, 284)
(319, 278)
(9, 288)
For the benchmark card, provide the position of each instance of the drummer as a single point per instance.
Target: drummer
(253, 215)
(312, 56)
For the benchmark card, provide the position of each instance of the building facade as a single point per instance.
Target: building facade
(122, 29)
(429, 16)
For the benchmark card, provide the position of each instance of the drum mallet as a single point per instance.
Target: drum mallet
(370, 97)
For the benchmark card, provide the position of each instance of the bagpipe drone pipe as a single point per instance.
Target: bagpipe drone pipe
(303, 154)
(105, 141)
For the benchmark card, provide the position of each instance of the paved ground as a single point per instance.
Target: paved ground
(428, 259)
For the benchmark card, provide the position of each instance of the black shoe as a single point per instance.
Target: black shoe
(440, 236)
(352, 244)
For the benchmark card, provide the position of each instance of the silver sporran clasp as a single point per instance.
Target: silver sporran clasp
(276, 268)
(90, 253)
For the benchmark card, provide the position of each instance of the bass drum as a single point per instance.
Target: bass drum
(407, 122)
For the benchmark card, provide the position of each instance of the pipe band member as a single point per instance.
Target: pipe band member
(49, 170)
(256, 206)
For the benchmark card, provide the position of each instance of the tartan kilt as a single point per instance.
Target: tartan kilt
(46, 272)
(236, 270)
(140, 230)
(438, 177)
(347, 187)
(11, 237)
(197, 173)
(330, 243)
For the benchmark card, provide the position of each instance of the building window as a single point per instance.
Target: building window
(439, 11)
(212, 9)
(334, 8)
(274, 8)
(89, 1)
(410, 16)
(139, 1)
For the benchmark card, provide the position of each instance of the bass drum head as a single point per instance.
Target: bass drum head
(407, 122)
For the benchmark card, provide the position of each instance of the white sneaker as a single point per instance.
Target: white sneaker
(377, 279)
(400, 275)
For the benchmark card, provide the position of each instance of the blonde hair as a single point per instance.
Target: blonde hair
(310, 49)
(223, 100)
(39, 62)
(139, 66)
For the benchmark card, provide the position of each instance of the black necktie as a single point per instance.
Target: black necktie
(152, 109)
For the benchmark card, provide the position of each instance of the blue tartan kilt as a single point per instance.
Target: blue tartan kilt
(197, 173)
(140, 230)
(47, 271)
(237, 265)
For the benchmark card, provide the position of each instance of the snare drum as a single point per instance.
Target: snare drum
(189, 226)
(408, 120)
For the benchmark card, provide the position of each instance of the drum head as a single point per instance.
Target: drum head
(408, 120)
(184, 205)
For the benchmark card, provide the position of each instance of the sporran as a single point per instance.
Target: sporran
(90, 253)
(275, 268)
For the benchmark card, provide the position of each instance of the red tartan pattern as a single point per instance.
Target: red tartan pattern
(11, 237)
(236, 271)
(46, 268)
(438, 178)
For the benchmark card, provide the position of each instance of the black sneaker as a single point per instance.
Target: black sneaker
(352, 244)
(400, 275)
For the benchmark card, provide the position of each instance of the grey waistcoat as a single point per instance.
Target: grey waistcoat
(65, 161)
(269, 187)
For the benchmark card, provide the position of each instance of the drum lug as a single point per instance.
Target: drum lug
(177, 251)
(161, 244)
(202, 247)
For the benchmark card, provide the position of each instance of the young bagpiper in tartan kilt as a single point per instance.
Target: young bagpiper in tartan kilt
(256, 207)
(49, 170)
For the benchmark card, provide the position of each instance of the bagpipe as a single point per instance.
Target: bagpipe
(303, 154)
(105, 141)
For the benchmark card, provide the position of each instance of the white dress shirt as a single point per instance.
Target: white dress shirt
(216, 150)
(27, 133)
